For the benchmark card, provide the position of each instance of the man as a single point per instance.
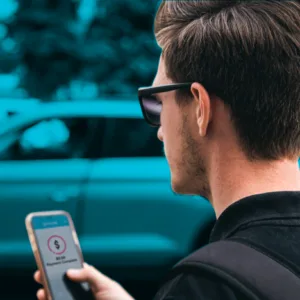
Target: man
(230, 128)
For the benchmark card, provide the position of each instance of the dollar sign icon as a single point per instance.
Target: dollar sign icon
(56, 243)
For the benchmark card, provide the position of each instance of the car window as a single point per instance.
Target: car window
(130, 138)
(52, 139)
(92, 138)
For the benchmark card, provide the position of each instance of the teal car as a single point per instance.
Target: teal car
(104, 165)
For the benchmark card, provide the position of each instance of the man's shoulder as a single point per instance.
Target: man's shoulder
(230, 270)
(192, 287)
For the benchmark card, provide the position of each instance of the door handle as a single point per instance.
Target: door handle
(65, 195)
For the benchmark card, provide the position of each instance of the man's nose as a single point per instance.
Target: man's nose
(160, 134)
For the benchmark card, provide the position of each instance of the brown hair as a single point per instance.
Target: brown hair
(247, 53)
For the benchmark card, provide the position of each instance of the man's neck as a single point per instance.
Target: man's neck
(230, 182)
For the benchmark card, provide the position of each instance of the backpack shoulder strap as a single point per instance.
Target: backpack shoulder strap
(244, 268)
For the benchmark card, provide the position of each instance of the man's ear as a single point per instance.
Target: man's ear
(203, 107)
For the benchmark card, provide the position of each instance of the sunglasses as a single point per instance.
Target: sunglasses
(151, 106)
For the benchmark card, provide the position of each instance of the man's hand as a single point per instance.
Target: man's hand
(103, 287)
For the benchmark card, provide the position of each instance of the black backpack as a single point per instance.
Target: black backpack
(245, 269)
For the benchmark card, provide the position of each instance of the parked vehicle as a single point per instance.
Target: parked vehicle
(104, 165)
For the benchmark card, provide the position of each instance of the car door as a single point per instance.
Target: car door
(134, 227)
(42, 167)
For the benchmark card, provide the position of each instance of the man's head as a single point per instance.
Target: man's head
(243, 58)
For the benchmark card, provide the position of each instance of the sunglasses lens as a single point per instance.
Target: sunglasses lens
(152, 108)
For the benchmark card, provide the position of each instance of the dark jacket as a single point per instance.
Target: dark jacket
(269, 222)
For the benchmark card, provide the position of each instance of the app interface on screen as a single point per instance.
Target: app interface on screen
(58, 251)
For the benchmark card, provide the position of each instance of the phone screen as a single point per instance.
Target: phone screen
(58, 251)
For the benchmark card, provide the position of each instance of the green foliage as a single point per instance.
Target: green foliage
(108, 44)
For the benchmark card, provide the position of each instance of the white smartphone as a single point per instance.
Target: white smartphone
(56, 249)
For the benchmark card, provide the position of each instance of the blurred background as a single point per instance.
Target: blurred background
(76, 49)
(72, 137)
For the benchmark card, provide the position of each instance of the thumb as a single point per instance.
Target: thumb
(89, 274)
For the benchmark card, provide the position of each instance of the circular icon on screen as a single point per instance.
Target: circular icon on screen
(56, 244)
